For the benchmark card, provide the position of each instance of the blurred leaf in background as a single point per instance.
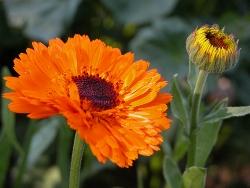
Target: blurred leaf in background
(7, 136)
(41, 19)
(155, 30)
(42, 139)
(139, 11)
(172, 173)
(163, 45)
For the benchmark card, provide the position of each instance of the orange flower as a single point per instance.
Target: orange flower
(112, 102)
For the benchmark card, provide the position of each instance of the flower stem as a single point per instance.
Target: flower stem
(195, 111)
(76, 158)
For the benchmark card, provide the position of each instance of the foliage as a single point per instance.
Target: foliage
(155, 30)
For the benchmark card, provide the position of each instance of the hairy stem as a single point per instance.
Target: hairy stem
(75, 167)
(195, 111)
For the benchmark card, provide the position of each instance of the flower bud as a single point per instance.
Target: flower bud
(212, 50)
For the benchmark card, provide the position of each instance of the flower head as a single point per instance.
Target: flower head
(110, 100)
(212, 49)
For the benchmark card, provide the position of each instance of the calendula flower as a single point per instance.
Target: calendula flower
(212, 50)
(112, 101)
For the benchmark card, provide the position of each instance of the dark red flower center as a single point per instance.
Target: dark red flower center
(98, 91)
(216, 41)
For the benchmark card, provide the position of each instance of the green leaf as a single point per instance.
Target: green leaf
(166, 148)
(215, 109)
(206, 137)
(92, 166)
(42, 139)
(163, 45)
(139, 11)
(219, 105)
(5, 150)
(181, 146)
(237, 111)
(226, 113)
(9, 120)
(41, 19)
(8, 123)
(194, 177)
(172, 173)
(178, 105)
(22, 163)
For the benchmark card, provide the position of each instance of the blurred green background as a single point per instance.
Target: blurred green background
(38, 153)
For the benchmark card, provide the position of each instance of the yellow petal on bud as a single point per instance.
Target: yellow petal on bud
(212, 50)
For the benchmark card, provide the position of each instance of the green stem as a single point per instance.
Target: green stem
(189, 71)
(75, 167)
(198, 90)
(195, 111)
